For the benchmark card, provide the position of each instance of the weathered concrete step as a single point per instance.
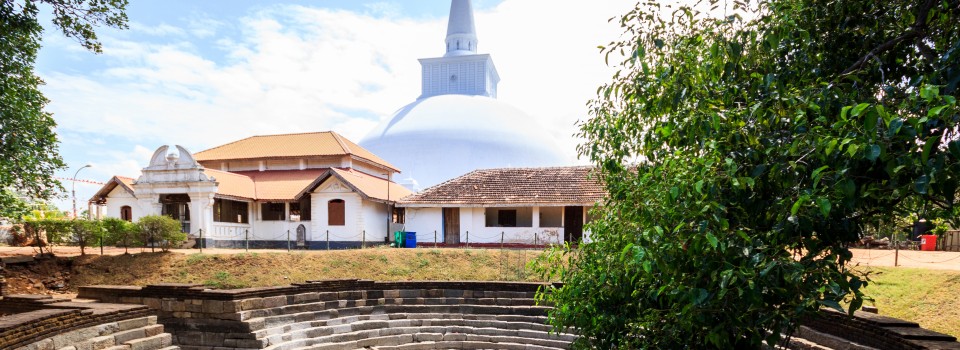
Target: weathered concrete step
(345, 334)
(259, 323)
(537, 322)
(488, 327)
(154, 342)
(340, 304)
(462, 345)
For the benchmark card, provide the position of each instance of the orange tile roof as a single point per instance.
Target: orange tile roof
(280, 185)
(514, 186)
(232, 184)
(372, 186)
(327, 143)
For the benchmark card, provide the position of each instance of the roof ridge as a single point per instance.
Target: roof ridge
(224, 145)
(267, 135)
(343, 145)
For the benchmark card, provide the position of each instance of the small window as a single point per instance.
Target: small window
(272, 211)
(398, 215)
(507, 218)
(335, 213)
(126, 213)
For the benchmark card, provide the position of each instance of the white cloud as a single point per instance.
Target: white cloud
(296, 68)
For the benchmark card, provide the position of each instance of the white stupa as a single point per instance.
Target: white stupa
(457, 125)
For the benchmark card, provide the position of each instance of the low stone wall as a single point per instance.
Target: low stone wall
(354, 314)
(39, 322)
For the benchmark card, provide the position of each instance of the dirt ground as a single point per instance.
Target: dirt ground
(863, 257)
(907, 258)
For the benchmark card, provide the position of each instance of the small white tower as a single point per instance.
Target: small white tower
(461, 71)
(461, 32)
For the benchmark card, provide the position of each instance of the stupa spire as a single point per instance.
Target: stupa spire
(461, 32)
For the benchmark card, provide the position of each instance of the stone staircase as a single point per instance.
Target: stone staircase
(351, 314)
(45, 323)
(141, 333)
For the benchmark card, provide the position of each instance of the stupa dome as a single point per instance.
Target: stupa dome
(437, 138)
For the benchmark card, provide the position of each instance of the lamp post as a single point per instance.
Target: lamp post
(73, 189)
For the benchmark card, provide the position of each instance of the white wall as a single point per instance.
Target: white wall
(353, 212)
(119, 198)
(425, 221)
(374, 221)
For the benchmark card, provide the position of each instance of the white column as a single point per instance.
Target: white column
(536, 217)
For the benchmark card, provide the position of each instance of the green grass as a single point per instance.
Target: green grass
(926, 296)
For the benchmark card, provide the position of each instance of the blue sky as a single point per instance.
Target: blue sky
(203, 73)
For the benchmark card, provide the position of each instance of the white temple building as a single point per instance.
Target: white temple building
(457, 124)
(306, 190)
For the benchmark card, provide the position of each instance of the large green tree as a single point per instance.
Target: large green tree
(743, 152)
(28, 142)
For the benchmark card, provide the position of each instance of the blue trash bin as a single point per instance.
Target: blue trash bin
(411, 240)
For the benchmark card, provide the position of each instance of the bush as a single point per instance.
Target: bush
(121, 233)
(47, 231)
(85, 233)
(160, 229)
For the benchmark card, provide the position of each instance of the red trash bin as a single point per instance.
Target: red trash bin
(928, 242)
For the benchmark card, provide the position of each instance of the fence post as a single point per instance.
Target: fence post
(468, 239)
(246, 239)
(363, 239)
(328, 239)
(101, 240)
(501, 240)
(201, 241)
(288, 241)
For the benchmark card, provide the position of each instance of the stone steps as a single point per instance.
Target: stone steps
(329, 318)
(140, 333)
(396, 333)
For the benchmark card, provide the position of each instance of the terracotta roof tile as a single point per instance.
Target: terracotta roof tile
(280, 185)
(514, 186)
(372, 186)
(232, 184)
(327, 143)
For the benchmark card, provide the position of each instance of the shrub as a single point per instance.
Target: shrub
(162, 230)
(121, 233)
(85, 232)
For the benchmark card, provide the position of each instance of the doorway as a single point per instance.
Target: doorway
(573, 224)
(177, 206)
(451, 226)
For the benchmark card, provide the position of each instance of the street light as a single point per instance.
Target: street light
(73, 189)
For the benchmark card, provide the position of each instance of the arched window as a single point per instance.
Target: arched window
(335, 212)
(126, 213)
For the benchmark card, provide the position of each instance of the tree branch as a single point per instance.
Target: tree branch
(917, 30)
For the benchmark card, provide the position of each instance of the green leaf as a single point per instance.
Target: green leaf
(698, 186)
(894, 127)
(824, 205)
(796, 206)
(852, 149)
(927, 148)
(830, 146)
(674, 193)
(844, 111)
(859, 109)
(712, 239)
(929, 92)
(833, 304)
(921, 185)
(935, 111)
(872, 153)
